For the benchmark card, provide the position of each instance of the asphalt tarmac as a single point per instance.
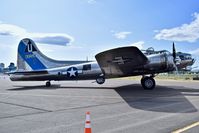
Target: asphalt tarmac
(118, 106)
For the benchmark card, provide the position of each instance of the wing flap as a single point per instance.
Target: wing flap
(120, 61)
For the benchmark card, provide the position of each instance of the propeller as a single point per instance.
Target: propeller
(174, 53)
(174, 59)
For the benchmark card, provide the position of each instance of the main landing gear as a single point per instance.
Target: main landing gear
(100, 80)
(48, 84)
(148, 83)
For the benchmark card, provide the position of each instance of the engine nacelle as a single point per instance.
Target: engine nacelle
(160, 62)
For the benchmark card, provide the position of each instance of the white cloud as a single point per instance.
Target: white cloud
(121, 35)
(12, 30)
(91, 1)
(185, 32)
(51, 38)
(195, 52)
(138, 44)
(47, 38)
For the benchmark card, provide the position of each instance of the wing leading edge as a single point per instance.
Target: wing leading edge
(120, 61)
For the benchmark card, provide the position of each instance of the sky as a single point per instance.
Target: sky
(79, 29)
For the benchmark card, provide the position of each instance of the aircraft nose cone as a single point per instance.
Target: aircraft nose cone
(193, 60)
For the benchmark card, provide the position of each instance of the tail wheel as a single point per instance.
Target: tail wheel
(48, 84)
(148, 83)
(100, 80)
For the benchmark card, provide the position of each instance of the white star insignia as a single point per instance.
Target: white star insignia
(72, 72)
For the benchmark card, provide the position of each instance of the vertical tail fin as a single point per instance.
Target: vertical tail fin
(30, 58)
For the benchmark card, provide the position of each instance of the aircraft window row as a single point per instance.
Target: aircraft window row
(87, 67)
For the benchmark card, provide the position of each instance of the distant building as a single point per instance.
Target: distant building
(2, 66)
(11, 67)
(4, 69)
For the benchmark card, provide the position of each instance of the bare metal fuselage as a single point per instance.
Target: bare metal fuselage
(118, 62)
(157, 63)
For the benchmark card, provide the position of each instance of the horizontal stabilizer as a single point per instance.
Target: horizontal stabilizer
(30, 72)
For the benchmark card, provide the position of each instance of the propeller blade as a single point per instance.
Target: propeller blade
(174, 53)
(174, 59)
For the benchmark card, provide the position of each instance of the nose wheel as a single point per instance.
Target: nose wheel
(148, 83)
(48, 84)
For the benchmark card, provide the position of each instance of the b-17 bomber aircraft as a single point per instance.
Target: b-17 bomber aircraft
(32, 65)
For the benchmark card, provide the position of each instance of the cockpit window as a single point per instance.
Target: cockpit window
(185, 56)
(149, 52)
(181, 57)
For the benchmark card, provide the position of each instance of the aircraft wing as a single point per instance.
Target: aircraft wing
(120, 61)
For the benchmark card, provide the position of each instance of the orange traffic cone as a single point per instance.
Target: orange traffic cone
(87, 123)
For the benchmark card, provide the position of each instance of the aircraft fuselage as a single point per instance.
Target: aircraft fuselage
(119, 62)
(91, 70)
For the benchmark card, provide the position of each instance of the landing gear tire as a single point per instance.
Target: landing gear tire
(100, 80)
(48, 84)
(148, 83)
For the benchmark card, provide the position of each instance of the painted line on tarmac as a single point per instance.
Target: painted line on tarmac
(86, 96)
(63, 96)
(25, 106)
(186, 127)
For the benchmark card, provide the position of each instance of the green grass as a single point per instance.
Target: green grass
(167, 77)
